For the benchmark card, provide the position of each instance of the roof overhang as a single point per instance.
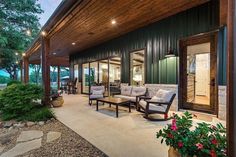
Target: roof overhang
(88, 23)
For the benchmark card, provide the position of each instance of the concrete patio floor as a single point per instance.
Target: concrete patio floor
(130, 135)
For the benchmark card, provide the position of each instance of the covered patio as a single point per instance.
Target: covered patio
(89, 35)
(129, 135)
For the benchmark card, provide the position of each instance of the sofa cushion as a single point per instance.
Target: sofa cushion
(153, 107)
(126, 90)
(133, 99)
(164, 95)
(136, 91)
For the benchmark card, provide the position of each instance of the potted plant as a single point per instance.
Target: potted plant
(204, 140)
(56, 98)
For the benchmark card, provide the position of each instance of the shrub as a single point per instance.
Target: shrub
(18, 101)
(13, 82)
(205, 140)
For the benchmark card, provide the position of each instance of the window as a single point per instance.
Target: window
(137, 68)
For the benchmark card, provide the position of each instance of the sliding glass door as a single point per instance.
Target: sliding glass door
(105, 72)
(93, 73)
(114, 75)
(104, 76)
(85, 78)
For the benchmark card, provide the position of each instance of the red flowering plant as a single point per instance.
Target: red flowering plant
(205, 140)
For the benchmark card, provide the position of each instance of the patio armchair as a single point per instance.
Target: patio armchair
(159, 104)
(96, 92)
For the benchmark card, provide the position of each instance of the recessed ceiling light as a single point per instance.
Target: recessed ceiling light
(43, 33)
(73, 43)
(54, 53)
(113, 22)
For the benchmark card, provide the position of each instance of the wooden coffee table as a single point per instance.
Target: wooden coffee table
(115, 101)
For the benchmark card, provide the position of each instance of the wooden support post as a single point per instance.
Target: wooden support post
(45, 48)
(58, 77)
(26, 69)
(231, 79)
(21, 71)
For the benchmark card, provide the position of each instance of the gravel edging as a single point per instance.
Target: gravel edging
(69, 144)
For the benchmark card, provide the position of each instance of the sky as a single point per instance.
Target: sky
(48, 7)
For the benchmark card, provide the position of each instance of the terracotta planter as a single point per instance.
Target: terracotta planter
(58, 102)
(173, 152)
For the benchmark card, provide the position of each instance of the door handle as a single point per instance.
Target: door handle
(213, 82)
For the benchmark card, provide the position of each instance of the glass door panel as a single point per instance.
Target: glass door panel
(85, 78)
(114, 75)
(76, 71)
(137, 68)
(198, 74)
(103, 75)
(93, 73)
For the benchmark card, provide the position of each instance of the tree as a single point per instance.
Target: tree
(35, 75)
(19, 25)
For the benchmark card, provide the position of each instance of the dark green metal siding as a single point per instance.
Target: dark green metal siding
(157, 39)
(222, 56)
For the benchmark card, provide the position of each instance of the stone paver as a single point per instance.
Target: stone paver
(51, 136)
(1, 149)
(22, 148)
(29, 135)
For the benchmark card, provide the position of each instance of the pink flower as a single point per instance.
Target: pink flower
(199, 146)
(213, 153)
(173, 126)
(213, 127)
(170, 135)
(214, 141)
(180, 144)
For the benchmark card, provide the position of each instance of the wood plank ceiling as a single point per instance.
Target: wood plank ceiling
(89, 24)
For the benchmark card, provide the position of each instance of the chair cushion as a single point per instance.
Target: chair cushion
(126, 90)
(97, 92)
(164, 95)
(136, 91)
(97, 88)
(133, 99)
(153, 107)
(156, 99)
(96, 96)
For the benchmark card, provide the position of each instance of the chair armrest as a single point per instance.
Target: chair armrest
(117, 93)
(144, 98)
(155, 102)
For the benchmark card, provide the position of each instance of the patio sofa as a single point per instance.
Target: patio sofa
(132, 93)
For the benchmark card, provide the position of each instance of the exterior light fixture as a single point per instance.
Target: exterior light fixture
(170, 53)
(28, 32)
(73, 43)
(113, 22)
(43, 33)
